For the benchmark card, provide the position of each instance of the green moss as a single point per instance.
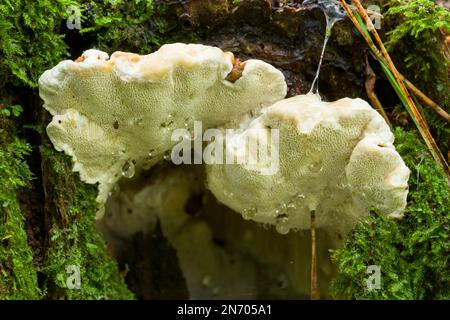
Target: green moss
(30, 41)
(74, 240)
(18, 278)
(124, 25)
(417, 28)
(139, 26)
(413, 253)
(417, 41)
(32, 32)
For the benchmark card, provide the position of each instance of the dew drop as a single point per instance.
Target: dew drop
(138, 121)
(291, 206)
(188, 121)
(315, 167)
(249, 213)
(281, 210)
(187, 136)
(228, 194)
(266, 226)
(316, 162)
(282, 225)
(128, 169)
(151, 153)
(216, 291)
(167, 155)
(206, 281)
(300, 196)
(342, 185)
(169, 122)
(282, 228)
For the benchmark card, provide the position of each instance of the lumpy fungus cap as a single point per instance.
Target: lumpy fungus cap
(335, 158)
(115, 115)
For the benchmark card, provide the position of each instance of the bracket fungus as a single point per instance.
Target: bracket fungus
(335, 158)
(114, 115)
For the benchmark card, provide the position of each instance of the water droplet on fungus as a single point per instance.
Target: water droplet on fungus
(138, 121)
(266, 226)
(282, 228)
(128, 169)
(315, 161)
(291, 206)
(249, 213)
(167, 156)
(282, 225)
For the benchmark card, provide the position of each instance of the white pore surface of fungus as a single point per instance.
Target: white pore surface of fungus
(335, 158)
(115, 114)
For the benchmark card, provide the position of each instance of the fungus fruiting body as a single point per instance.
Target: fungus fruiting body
(114, 115)
(335, 158)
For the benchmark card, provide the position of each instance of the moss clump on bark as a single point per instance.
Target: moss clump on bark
(73, 238)
(413, 253)
(417, 40)
(30, 41)
(18, 277)
(129, 25)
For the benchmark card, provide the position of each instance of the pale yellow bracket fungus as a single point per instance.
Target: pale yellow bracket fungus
(115, 115)
(336, 158)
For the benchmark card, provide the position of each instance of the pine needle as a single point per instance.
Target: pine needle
(396, 80)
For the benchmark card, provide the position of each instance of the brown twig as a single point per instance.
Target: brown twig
(371, 12)
(314, 294)
(370, 90)
(437, 108)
